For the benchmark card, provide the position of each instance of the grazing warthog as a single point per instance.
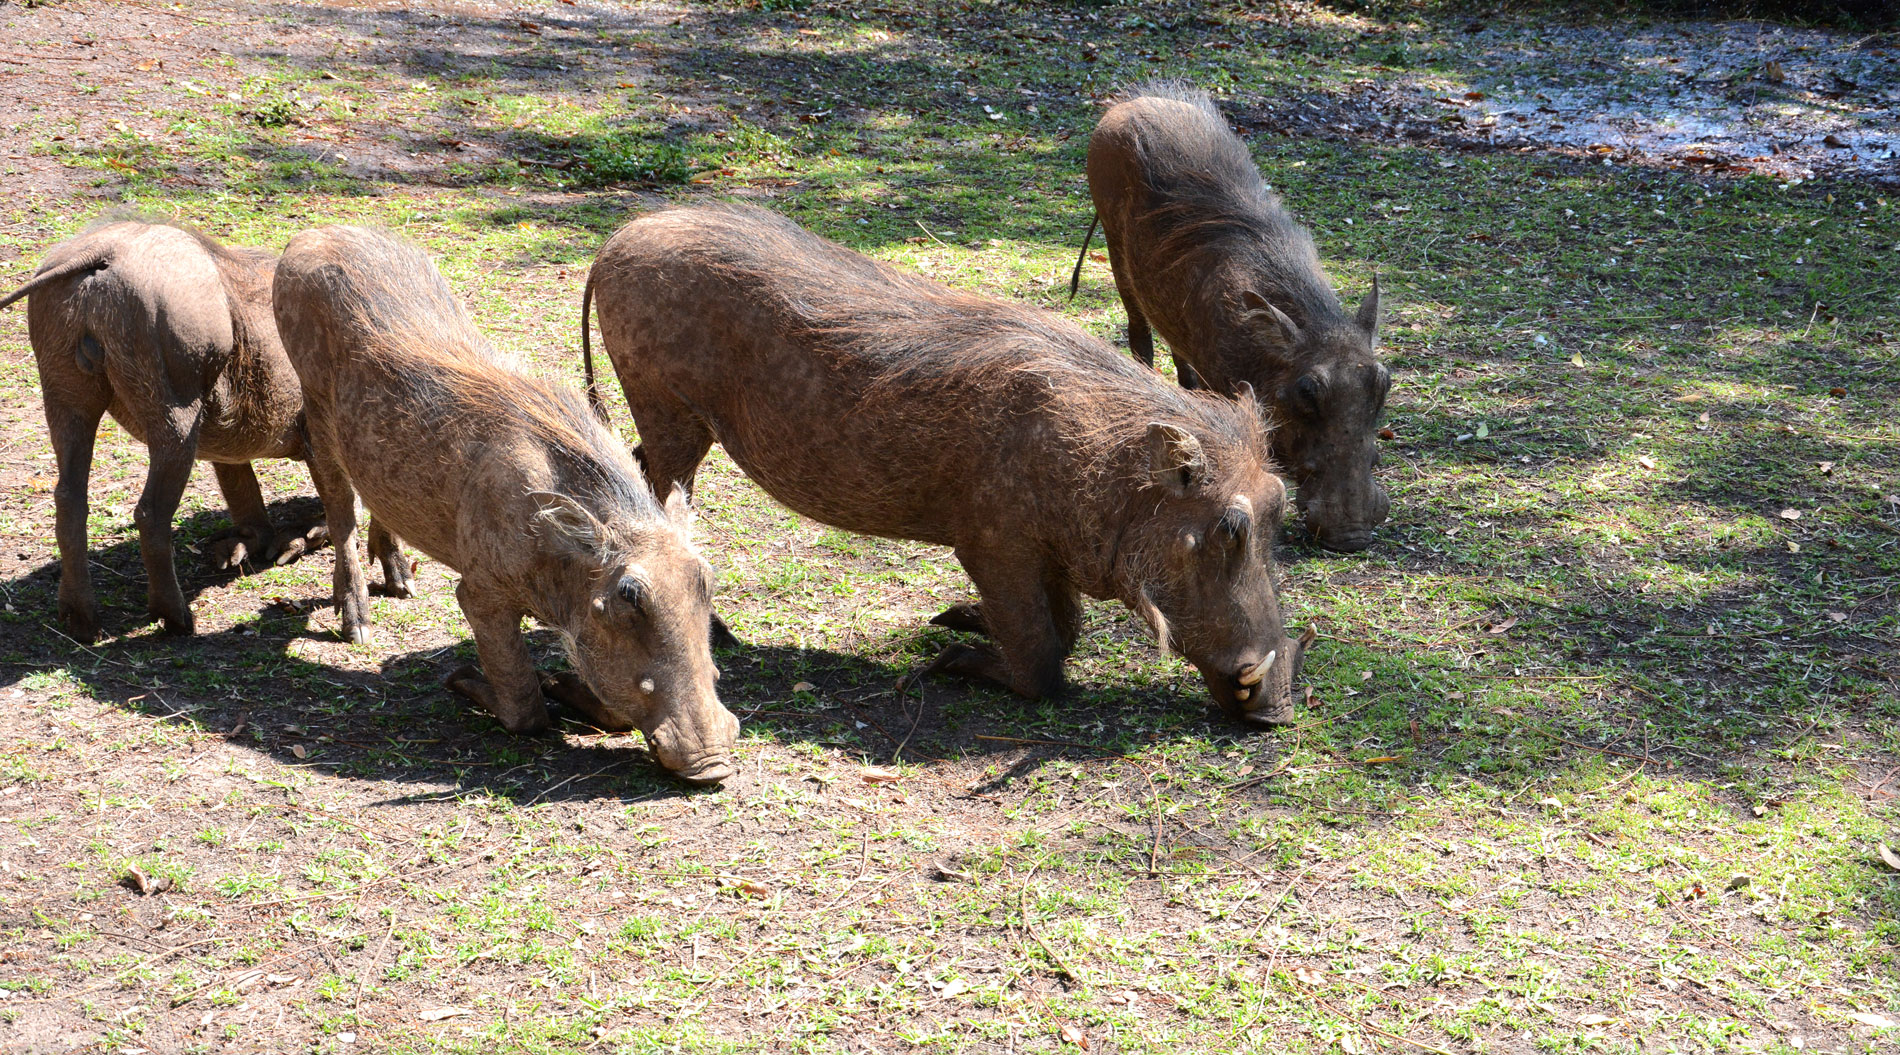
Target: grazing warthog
(170, 333)
(511, 482)
(884, 403)
(1203, 252)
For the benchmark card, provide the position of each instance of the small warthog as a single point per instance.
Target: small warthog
(171, 333)
(1203, 252)
(513, 483)
(884, 403)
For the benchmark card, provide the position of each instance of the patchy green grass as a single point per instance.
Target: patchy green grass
(1603, 729)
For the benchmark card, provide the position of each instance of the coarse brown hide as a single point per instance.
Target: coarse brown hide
(510, 481)
(1204, 254)
(171, 334)
(884, 403)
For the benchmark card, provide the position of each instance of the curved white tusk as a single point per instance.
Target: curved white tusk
(1258, 672)
(1243, 694)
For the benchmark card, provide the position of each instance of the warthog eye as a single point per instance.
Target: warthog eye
(634, 592)
(1306, 393)
(1233, 526)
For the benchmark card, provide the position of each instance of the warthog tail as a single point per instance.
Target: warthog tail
(1075, 279)
(93, 261)
(587, 351)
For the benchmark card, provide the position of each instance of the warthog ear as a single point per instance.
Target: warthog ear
(1259, 304)
(1175, 458)
(571, 522)
(1369, 313)
(678, 509)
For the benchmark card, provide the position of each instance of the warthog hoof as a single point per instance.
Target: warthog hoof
(967, 618)
(230, 548)
(297, 541)
(81, 622)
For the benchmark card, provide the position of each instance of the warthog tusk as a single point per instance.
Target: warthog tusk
(1243, 694)
(1258, 672)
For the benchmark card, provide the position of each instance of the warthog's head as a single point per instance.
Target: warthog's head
(1326, 412)
(1208, 577)
(639, 634)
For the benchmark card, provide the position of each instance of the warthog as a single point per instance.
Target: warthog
(170, 333)
(887, 404)
(1203, 252)
(512, 482)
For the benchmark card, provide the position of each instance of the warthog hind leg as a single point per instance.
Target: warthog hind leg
(73, 424)
(173, 449)
(339, 507)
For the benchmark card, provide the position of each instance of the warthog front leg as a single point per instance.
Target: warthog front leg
(252, 536)
(386, 549)
(1032, 618)
(568, 688)
(506, 686)
(967, 618)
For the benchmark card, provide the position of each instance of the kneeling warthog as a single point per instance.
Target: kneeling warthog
(171, 333)
(886, 404)
(513, 483)
(1203, 251)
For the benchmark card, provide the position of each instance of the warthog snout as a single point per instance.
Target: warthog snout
(1346, 526)
(695, 744)
(1261, 689)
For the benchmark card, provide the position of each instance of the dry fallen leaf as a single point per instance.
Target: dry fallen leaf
(299, 750)
(1868, 1018)
(1646, 462)
(1836, 142)
(1388, 434)
(1887, 855)
(437, 1014)
(878, 775)
(1594, 1019)
(1309, 976)
(1074, 1036)
(804, 686)
(1499, 628)
(954, 988)
(1791, 514)
(136, 878)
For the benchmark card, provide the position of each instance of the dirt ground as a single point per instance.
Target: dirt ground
(263, 839)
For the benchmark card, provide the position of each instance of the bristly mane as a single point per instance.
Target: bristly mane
(1217, 208)
(405, 312)
(926, 338)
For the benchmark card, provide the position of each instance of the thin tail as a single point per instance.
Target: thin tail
(587, 351)
(92, 261)
(1075, 279)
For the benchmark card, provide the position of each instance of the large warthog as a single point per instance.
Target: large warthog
(886, 404)
(1204, 253)
(510, 481)
(170, 333)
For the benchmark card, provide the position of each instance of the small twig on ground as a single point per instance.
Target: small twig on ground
(1643, 758)
(1370, 1028)
(1154, 801)
(1022, 908)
